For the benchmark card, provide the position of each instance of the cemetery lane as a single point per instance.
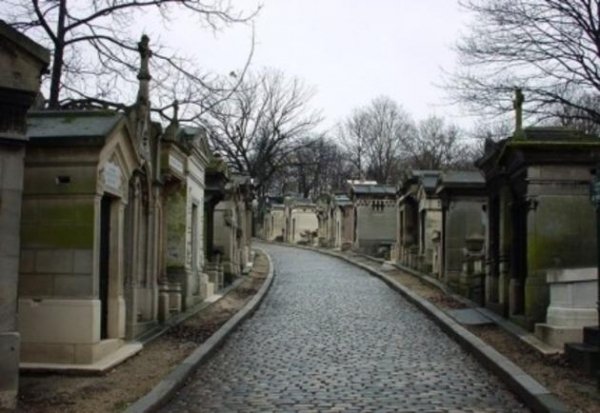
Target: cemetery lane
(329, 337)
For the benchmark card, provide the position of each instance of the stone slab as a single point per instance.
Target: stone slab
(100, 367)
(470, 316)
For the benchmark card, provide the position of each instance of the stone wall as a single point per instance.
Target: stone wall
(375, 224)
(302, 221)
(464, 219)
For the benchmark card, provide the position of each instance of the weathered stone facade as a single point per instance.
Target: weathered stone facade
(374, 217)
(324, 209)
(22, 63)
(233, 227)
(91, 231)
(343, 221)
(184, 158)
(274, 223)
(419, 221)
(464, 221)
(302, 224)
(536, 179)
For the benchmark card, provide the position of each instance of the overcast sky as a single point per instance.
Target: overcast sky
(350, 51)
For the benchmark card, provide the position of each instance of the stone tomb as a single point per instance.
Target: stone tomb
(343, 221)
(573, 296)
(461, 248)
(274, 223)
(374, 217)
(184, 158)
(88, 254)
(536, 180)
(429, 221)
(302, 224)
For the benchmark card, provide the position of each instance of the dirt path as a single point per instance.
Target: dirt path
(132, 379)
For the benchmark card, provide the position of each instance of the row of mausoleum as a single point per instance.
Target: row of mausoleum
(517, 235)
(109, 224)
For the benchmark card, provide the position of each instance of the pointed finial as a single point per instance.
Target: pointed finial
(518, 106)
(171, 130)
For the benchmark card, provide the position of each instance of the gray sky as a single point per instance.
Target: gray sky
(350, 51)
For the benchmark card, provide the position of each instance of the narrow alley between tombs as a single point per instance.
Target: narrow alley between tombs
(329, 337)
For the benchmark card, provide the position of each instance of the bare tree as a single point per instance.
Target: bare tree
(373, 137)
(319, 166)
(577, 118)
(353, 134)
(390, 129)
(94, 52)
(262, 124)
(549, 48)
(436, 145)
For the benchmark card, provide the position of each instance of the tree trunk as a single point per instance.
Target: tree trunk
(58, 57)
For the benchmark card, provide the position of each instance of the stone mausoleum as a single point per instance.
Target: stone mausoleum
(374, 217)
(22, 62)
(184, 157)
(541, 238)
(464, 220)
(90, 232)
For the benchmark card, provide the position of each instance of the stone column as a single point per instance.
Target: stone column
(22, 63)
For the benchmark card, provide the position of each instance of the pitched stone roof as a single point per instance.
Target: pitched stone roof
(462, 178)
(370, 189)
(342, 200)
(33, 48)
(71, 124)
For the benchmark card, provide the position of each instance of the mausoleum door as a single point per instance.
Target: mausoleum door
(518, 255)
(104, 271)
(493, 257)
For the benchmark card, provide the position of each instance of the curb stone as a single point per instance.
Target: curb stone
(166, 388)
(531, 392)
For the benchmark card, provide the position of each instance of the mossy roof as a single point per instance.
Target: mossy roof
(71, 124)
(462, 178)
(373, 189)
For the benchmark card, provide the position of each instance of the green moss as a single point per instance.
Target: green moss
(537, 297)
(59, 224)
(70, 213)
(57, 236)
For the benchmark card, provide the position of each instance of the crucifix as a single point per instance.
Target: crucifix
(145, 54)
(518, 106)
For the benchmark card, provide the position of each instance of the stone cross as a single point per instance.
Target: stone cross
(518, 106)
(145, 54)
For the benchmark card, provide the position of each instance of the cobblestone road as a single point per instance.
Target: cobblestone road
(330, 337)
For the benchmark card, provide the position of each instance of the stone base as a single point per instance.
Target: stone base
(210, 289)
(388, 266)
(68, 353)
(98, 367)
(9, 369)
(558, 336)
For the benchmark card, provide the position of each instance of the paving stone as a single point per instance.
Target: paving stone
(330, 337)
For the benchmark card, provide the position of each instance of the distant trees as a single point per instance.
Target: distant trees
(94, 51)
(263, 124)
(319, 166)
(550, 48)
(381, 142)
(436, 145)
(373, 139)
